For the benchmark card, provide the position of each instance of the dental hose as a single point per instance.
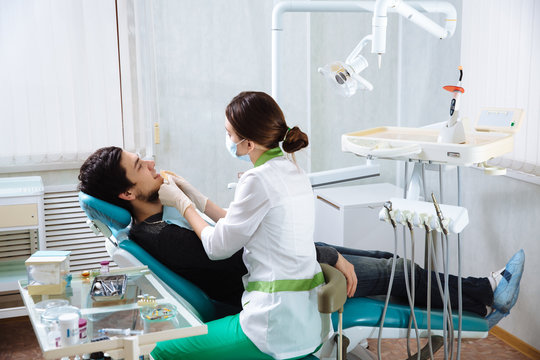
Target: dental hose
(447, 311)
(444, 298)
(447, 305)
(412, 317)
(429, 248)
(439, 285)
(388, 207)
(460, 299)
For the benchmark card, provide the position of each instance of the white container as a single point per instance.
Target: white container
(349, 216)
(46, 272)
(69, 329)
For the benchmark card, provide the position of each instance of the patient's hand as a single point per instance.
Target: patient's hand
(348, 270)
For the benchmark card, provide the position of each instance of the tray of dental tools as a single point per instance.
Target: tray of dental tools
(108, 287)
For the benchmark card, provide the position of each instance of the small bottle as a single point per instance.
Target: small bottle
(104, 266)
(54, 336)
(82, 330)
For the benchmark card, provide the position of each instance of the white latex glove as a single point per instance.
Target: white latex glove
(171, 195)
(195, 195)
(348, 270)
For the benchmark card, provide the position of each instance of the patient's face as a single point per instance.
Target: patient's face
(143, 174)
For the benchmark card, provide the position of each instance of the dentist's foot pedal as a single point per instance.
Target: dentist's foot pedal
(436, 343)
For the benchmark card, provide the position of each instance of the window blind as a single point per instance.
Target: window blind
(500, 54)
(59, 81)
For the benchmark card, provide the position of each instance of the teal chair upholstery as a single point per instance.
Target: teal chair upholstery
(368, 312)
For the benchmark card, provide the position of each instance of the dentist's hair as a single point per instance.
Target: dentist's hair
(102, 177)
(256, 116)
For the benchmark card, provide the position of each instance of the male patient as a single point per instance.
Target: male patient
(123, 179)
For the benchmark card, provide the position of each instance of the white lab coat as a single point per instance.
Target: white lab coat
(272, 218)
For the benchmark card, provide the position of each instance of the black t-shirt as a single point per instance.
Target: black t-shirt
(181, 251)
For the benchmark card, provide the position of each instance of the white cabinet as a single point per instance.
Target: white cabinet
(22, 230)
(349, 216)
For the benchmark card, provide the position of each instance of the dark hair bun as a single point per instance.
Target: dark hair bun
(295, 140)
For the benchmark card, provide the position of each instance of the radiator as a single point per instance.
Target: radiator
(66, 229)
(17, 245)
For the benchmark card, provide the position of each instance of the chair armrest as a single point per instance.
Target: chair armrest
(333, 294)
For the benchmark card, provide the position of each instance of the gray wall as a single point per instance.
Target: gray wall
(206, 53)
(504, 215)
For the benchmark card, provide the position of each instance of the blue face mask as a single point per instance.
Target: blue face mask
(231, 146)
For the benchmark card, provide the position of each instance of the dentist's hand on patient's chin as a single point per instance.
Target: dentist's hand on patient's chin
(195, 195)
(171, 195)
(348, 270)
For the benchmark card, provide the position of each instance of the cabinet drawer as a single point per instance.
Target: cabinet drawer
(18, 215)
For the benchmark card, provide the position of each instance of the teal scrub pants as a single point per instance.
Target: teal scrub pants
(225, 341)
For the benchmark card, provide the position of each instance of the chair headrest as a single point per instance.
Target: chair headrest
(115, 217)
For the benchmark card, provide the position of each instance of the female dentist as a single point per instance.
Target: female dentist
(271, 218)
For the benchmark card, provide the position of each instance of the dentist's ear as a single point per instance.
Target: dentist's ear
(251, 145)
(127, 195)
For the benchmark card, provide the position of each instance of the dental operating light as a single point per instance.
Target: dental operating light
(344, 76)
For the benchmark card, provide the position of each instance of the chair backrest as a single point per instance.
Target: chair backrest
(117, 220)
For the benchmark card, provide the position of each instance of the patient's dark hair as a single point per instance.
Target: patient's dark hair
(103, 177)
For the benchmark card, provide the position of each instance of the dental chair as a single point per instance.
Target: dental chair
(113, 222)
(361, 316)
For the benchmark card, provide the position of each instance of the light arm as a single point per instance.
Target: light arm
(410, 11)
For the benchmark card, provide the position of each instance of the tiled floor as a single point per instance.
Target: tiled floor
(18, 342)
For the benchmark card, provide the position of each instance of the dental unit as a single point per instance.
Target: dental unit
(445, 143)
(345, 78)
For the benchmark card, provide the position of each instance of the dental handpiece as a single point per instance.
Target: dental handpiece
(388, 207)
(439, 214)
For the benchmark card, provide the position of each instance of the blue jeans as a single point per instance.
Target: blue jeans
(373, 270)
